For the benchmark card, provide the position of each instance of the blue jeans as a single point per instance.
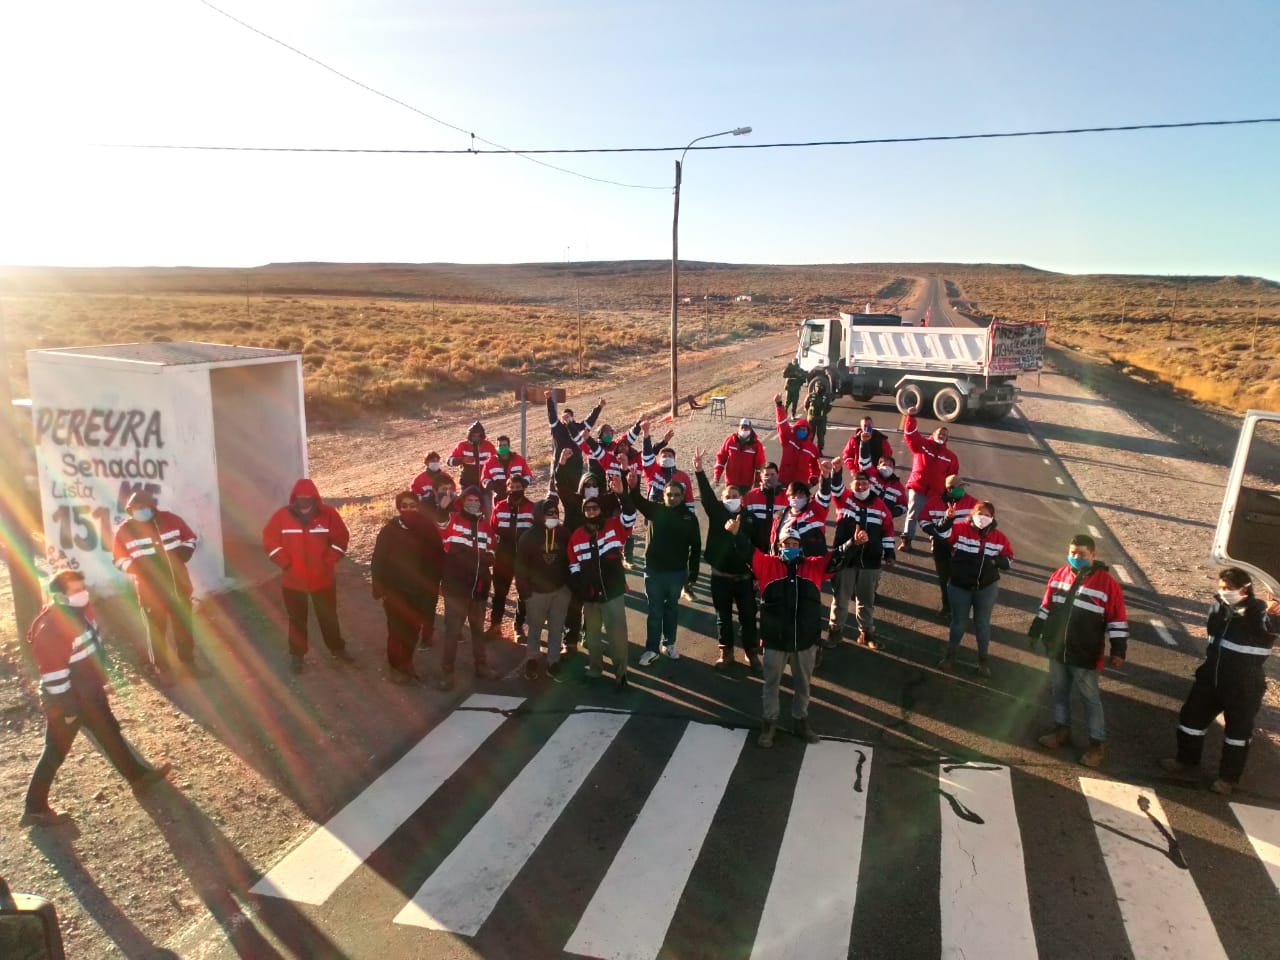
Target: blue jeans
(1062, 678)
(983, 602)
(663, 590)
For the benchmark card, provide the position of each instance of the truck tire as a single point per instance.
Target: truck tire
(908, 396)
(822, 377)
(949, 404)
(996, 411)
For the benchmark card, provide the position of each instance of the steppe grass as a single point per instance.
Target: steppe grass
(1215, 339)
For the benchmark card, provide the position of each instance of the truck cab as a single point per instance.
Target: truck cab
(822, 340)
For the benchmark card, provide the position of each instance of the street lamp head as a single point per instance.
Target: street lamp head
(740, 131)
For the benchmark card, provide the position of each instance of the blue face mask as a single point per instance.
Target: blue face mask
(802, 434)
(790, 554)
(144, 514)
(1079, 563)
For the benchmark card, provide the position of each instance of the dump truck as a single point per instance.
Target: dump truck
(954, 371)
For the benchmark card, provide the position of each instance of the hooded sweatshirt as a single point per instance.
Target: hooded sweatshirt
(542, 556)
(472, 456)
(799, 457)
(306, 546)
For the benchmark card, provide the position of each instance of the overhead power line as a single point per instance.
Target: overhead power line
(498, 148)
(864, 141)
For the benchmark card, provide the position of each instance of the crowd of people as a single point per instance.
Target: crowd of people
(465, 541)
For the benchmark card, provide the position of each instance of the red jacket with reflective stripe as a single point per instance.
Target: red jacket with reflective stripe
(932, 462)
(68, 653)
(307, 550)
(154, 553)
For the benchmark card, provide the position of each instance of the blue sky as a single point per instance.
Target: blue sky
(593, 73)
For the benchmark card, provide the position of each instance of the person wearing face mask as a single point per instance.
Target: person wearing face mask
(866, 448)
(671, 562)
(865, 524)
(152, 547)
(598, 581)
(805, 515)
(953, 505)
(501, 467)
(886, 485)
(799, 453)
(542, 577)
(425, 483)
(472, 454)
(306, 539)
(1231, 681)
(932, 461)
(741, 457)
(511, 517)
(404, 560)
(468, 573)
(1083, 609)
(790, 622)
(793, 376)
(731, 581)
(762, 504)
(571, 500)
(979, 553)
(817, 408)
(67, 650)
(660, 471)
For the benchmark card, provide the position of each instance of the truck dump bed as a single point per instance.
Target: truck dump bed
(944, 350)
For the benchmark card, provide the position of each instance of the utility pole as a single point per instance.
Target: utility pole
(578, 304)
(1257, 311)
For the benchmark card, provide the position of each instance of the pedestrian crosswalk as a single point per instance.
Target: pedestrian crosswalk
(811, 867)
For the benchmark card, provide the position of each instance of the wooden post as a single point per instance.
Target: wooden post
(1257, 309)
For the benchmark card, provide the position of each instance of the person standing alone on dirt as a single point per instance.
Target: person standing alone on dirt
(306, 539)
(68, 652)
(153, 547)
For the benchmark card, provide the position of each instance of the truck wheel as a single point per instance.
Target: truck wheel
(822, 378)
(949, 404)
(864, 398)
(995, 411)
(908, 396)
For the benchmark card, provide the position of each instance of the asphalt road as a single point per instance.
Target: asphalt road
(565, 819)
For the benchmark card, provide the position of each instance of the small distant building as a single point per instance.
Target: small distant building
(217, 433)
(686, 299)
(745, 298)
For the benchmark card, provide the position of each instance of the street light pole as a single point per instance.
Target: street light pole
(675, 266)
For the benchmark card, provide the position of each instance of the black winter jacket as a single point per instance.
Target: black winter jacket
(721, 549)
(542, 558)
(1240, 639)
(406, 558)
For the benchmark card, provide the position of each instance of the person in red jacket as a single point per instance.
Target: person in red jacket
(932, 462)
(799, 453)
(511, 517)
(1083, 608)
(501, 467)
(936, 518)
(866, 448)
(472, 454)
(67, 649)
(979, 552)
(468, 572)
(886, 485)
(152, 547)
(741, 457)
(306, 539)
(425, 483)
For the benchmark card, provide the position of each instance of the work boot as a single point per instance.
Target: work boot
(802, 730)
(150, 777)
(904, 545)
(1222, 787)
(1056, 739)
(948, 662)
(1094, 756)
(1177, 767)
(767, 730)
(984, 668)
(868, 640)
(753, 661)
(832, 639)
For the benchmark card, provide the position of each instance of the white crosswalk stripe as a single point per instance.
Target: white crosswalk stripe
(984, 905)
(1164, 914)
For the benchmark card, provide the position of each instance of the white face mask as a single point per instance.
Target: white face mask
(434, 466)
(668, 462)
(78, 599)
(886, 472)
(981, 521)
(862, 494)
(1231, 597)
(552, 522)
(744, 433)
(799, 503)
(732, 504)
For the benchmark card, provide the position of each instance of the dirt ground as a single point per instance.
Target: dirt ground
(251, 744)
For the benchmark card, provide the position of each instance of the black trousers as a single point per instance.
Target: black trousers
(1234, 693)
(97, 719)
(158, 611)
(503, 575)
(296, 603)
(459, 607)
(404, 620)
(726, 593)
(942, 565)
